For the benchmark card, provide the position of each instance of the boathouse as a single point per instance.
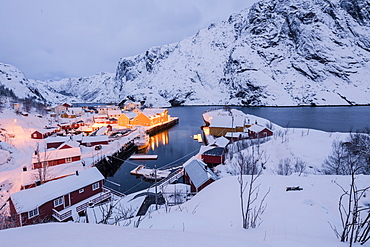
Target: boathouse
(61, 199)
(214, 156)
(197, 174)
(258, 131)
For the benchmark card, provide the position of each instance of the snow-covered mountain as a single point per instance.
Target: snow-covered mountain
(275, 53)
(13, 83)
(278, 52)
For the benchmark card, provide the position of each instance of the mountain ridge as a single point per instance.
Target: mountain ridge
(275, 53)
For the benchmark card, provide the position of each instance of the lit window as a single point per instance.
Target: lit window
(68, 160)
(95, 186)
(81, 191)
(33, 213)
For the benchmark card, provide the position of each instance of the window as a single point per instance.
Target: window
(58, 201)
(33, 213)
(95, 186)
(81, 191)
(68, 160)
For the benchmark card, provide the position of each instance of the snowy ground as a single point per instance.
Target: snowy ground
(212, 218)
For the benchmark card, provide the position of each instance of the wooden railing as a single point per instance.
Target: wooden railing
(106, 194)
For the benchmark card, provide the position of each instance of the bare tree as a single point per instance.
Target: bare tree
(354, 215)
(42, 173)
(250, 162)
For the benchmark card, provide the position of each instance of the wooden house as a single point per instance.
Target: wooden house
(219, 122)
(67, 114)
(214, 156)
(55, 142)
(103, 109)
(55, 157)
(129, 106)
(43, 133)
(150, 117)
(114, 113)
(126, 118)
(61, 199)
(197, 174)
(59, 109)
(258, 131)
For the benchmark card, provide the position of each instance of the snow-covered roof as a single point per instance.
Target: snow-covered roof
(44, 131)
(236, 134)
(225, 119)
(153, 111)
(114, 112)
(72, 144)
(97, 138)
(27, 200)
(221, 142)
(57, 139)
(257, 128)
(100, 116)
(217, 151)
(62, 170)
(130, 114)
(56, 154)
(198, 171)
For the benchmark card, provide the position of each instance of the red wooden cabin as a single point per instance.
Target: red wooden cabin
(59, 200)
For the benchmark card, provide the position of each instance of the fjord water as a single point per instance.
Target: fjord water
(176, 145)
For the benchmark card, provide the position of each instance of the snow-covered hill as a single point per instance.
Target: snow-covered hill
(275, 53)
(15, 84)
(212, 218)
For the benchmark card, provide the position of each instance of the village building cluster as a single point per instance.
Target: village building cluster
(76, 185)
(58, 184)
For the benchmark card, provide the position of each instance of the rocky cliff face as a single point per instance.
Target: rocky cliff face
(278, 52)
(275, 53)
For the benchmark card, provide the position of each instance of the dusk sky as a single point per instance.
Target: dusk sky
(76, 38)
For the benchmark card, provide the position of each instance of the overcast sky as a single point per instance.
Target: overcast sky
(54, 39)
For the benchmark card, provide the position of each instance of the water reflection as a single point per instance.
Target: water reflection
(160, 139)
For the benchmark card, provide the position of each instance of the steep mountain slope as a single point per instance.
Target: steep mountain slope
(13, 83)
(278, 52)
(275, 53)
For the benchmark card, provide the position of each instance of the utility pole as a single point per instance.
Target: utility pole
(155, 181)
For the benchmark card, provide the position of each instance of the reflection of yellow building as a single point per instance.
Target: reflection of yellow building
(159, 139)
(147, 117)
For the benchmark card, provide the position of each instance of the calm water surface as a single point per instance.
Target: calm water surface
(176, 145)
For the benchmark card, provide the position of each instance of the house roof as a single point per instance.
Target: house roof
(27, 200)
(97, 138)
(44, 131)
(198, 171)
(217, 151)
(153, 111)
(57, 139)
(130, 114)
(72, 144)
(114, 112)
(256, 128)
(236, 134)
(56, 154)
(221, 142)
